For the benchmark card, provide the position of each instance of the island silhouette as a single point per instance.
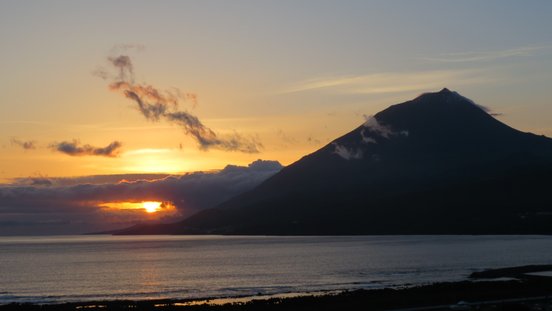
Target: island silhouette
(437, 164)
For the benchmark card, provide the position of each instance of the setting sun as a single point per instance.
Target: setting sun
(151, 207)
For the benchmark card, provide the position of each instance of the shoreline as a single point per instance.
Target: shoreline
(526, 292)
(465, 295)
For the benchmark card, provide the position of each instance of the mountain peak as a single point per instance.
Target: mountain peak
(438, 164)
(444, 105)
(445, 95)
(434, 122)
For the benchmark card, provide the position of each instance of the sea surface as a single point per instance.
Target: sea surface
(84, 268)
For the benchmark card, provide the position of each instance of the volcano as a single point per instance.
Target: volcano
(437, 164)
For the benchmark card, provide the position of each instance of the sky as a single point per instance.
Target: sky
(93, 88)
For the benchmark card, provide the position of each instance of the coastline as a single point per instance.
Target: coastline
(497, 289)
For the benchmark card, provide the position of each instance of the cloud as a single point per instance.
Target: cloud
(393, 82)
(482, 56)
(74, 149)
(286, 139)
(207, 139)
(156, 105)
(372, 124)
(64, 205)
(484, 108)
(125, 47)
(347, 153)
(38, 181)
(124, 65)
(27, 145)
(489, 110)
(366, 139)
(371, 132)
(314, 141)
(375, 128)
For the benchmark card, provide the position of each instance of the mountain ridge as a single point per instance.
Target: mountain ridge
(439, 164)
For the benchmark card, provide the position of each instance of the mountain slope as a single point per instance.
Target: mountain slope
(435, 164)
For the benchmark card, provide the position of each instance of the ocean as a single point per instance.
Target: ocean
(54, 269)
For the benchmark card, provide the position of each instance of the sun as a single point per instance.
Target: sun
(151, 206)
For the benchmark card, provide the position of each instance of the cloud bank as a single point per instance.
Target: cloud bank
(156, 105)
(42, 205)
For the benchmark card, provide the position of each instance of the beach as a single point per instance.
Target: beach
(517, 288)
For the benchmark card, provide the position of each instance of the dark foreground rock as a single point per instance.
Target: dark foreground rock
(512, 272)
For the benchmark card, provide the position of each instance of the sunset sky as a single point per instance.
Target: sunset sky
(272, 80)
(292, 75)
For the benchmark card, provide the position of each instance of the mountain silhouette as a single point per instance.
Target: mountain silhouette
(438, 164)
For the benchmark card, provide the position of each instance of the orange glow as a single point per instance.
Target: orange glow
(149, 207)
(155, 161)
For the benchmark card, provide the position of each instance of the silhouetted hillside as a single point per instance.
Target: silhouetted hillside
(438, 164)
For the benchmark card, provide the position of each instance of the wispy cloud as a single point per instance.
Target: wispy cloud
(156, 104)
(73, 148)
(286, 139)
(482, 56)
(348, 153)
(27, 145)
(376, 129)
(313, 141)
(394, 82)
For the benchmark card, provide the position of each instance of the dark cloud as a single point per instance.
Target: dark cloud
(124, 65)
(27, 145)
(74, 148)
(29, 206)
(156, 105)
